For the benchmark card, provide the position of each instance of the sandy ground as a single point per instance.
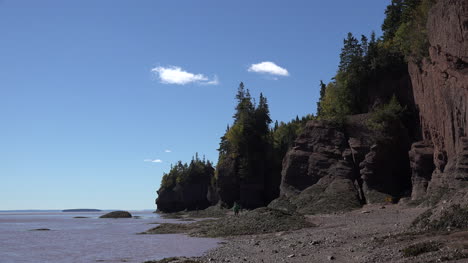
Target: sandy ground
(370, 234)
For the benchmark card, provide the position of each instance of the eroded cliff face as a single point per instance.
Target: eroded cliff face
(318, 173)
(440, 88)
(427, 162)
(337, 168)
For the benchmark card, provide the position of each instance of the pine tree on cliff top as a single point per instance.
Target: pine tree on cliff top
(322, 96)
(248, 139)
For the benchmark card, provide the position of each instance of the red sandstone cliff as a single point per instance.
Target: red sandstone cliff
(439, 163)
(440, 87)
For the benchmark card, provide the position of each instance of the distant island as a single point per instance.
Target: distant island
(81, 210)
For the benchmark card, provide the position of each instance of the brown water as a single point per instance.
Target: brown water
(90, 239)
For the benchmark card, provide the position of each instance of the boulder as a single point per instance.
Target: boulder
(117, 214)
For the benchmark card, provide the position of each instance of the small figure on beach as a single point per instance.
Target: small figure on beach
(236, 208)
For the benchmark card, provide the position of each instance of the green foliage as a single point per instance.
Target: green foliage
(359, 62)
(248, 141)
(323, 88)
(337, 100)
(404, 36)
(383, 116)
(234, 137)
(252, 149)
(392, 19)
(183, 173)
(351, 54)
(405, 28)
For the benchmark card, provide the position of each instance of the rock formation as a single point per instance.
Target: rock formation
(333, 168)
(339, 167)
(190, 196)
(318, 173)
(328, 163)
(117, 214)
(422, 165)
(186, 186)
(440, 87)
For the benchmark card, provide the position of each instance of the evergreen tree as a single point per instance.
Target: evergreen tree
(364, 45)
(244, 104)
(183, 173)
(322, 96)
(350, 52)
(276, 126)
(392, 19)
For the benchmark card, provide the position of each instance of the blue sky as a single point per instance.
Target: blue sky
(91, 92)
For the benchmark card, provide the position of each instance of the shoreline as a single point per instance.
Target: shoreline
(94, 239)
(374, 233)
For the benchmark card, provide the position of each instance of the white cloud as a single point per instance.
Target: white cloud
(178, 76)
(167, 151)
(268, 68)
(214, 81)
(153, 161)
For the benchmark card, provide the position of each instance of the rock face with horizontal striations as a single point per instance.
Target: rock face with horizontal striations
(117, 214)
(333, 168)
(318, 174)
(440, 87)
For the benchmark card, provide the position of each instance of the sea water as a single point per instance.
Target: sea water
(91, 239)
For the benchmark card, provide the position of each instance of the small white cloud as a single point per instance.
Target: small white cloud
(268, 67)
(214, 81)
(153, 161)
(167, 151)
(178, 76)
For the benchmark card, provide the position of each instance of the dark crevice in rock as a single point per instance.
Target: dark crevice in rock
(465, 25)
(460, 64)
(453, 130)
(356, 176)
